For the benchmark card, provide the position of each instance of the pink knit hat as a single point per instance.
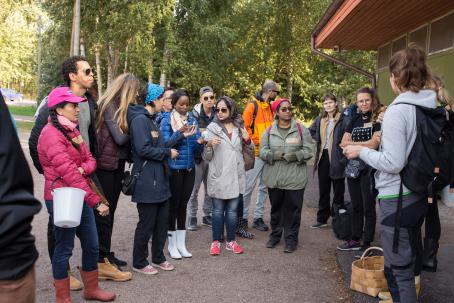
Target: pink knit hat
(62, 94)
(278, 102)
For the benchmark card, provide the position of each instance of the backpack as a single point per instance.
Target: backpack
(342, 220)
(430, 164)
(254, 115)
(300, 131)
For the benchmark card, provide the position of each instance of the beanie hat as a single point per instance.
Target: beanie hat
(276, 104)
(205, 89)
(154, 91)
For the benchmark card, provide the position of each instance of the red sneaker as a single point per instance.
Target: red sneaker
(215, 249)
(233, 246)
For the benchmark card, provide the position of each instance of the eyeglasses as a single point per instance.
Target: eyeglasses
(276, 91)
(208, 97)
(223, 110)
(286, 109)
(88, 71)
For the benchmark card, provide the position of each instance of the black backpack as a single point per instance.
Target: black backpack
(430, 164)
(342, 220)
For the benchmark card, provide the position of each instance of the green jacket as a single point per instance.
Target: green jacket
(285, 158)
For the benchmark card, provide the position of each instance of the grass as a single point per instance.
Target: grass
(24, 126)
(22, 110)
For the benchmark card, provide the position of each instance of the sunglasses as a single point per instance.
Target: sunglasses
(276, 91)
(223, 110)
(208, 97)
(286, 109)
(88, 71)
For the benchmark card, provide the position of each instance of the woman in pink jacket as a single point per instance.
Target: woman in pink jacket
(67, 162)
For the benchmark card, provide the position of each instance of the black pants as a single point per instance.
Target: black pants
(181, 185)
(432, 225)
(324, 189)
(363, 204)
(153, 219)
(110, 182)
(239, 210)
(286, 207)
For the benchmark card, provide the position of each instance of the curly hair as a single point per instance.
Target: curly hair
(70, 66)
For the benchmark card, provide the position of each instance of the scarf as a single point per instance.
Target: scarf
(66, 122)
(177, 120)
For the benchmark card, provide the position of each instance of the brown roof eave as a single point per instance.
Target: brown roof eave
(330, 11)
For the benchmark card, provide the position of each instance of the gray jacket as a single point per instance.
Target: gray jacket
(397, 139)
(226, 175)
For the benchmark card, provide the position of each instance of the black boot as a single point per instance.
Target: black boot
(430, 255)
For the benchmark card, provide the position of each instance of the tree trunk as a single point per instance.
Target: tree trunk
(112, 64)
(98, 70)
(71, 48)
(125, 69)
(165, 63)
(289, 83)
(39, 60)
(82, 47)
(76, 41)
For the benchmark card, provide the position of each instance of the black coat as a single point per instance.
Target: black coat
(42, 120)
(17, 204)
(338, 160)
(152, 185)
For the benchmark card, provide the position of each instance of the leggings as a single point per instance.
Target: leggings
(181, 185)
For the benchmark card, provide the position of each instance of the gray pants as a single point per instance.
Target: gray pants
(201, 172)
(251, 180)
(400, 266)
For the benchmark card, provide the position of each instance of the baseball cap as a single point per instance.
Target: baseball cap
(205, 89)
(61, 94)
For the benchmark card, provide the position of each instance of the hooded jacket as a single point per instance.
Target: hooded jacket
(187, 147)
(147, 143)
(397, 139)
(60, 161)
(17, 204)
(263, 120)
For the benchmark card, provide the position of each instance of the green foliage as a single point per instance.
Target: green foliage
(22, 110)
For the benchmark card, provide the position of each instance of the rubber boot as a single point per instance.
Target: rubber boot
(430, 255)
(181, 244)
(92, 290)
(172, 245)
(62, 291)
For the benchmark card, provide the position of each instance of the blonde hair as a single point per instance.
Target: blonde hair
(438, 86)
(123, 91)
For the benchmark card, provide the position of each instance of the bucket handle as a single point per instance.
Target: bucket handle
(53, 182)
(370, 249)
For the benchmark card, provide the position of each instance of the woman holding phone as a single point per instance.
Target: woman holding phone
(182, 126)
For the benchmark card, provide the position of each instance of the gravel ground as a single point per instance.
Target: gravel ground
(259, 275)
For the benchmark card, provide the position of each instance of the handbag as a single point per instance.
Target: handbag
(248, 152)
(128, 183)
(354, 168)
(342, 220)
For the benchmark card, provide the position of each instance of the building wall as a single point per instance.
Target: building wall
(441, 64)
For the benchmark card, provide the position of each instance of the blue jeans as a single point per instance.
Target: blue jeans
(224, 210)
(64, 243)
(251, 180)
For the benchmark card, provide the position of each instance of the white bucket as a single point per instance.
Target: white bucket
(68, 203)
(447, 196)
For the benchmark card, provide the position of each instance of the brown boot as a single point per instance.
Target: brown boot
(108, 271)
(74, 283)
(92, 290)
(62, 291)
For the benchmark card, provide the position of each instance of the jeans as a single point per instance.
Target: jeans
(181, 184)
(324, 188)
(110, 182)
(201, 173)
(153, 220)
(286, 207)
(363, 202)
(224, 210)
(251, 179)
(64, 243)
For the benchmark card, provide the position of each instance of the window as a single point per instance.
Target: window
(419, 37)
(399, 44)
(442, 34)
(384, 54)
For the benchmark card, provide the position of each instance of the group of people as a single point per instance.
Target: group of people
(170, 151)
(81, 142)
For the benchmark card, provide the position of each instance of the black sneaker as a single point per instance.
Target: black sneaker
(272, 242)
(361, 251)
(289, 248)
(116, 261)
(260, 225)
(318, 225)
(192, 223)
(206, 221)
(349, 245)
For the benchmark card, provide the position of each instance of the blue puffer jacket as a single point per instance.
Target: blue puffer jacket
(187, 147)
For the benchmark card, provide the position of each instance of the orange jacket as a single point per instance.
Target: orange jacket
(263, 120)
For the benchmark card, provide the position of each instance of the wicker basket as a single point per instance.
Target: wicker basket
(368, 274)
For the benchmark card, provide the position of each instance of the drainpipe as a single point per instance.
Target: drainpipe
(343, 63)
